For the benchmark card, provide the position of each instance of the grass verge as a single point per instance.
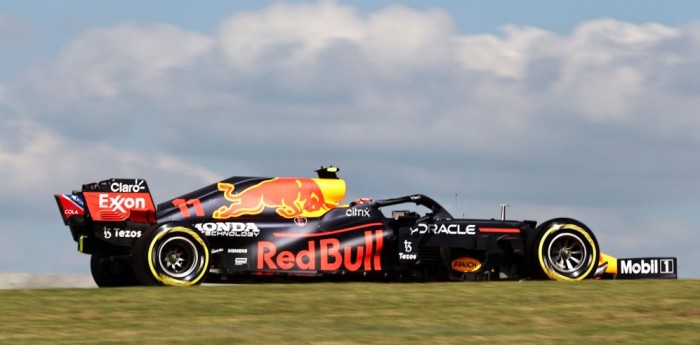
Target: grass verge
(633, 312)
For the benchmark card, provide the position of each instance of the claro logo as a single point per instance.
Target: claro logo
(123, 187)
(465, 264)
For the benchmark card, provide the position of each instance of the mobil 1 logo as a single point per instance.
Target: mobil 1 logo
(647, 268)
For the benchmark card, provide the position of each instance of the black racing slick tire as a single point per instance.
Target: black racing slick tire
(171, 255)
(563, 249)
(110, 271)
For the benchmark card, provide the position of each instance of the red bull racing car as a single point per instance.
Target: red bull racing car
(255, 227)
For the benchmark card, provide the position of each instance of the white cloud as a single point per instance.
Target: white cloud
(108, 70)
(394, 47)
(507, 56)
(285, 35)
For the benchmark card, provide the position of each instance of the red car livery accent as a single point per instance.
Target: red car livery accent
(499, 230)
(115, 207)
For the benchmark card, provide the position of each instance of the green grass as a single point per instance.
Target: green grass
(634, 312)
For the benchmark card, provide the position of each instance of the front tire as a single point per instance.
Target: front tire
(171, 255)
(563, 249)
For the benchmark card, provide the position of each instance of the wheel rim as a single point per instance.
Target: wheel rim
(567, 253)
(178, 257)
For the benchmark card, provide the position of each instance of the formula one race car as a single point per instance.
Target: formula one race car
(254, 227)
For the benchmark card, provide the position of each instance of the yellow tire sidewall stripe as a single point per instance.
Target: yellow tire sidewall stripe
(571, 227)
(164, 278)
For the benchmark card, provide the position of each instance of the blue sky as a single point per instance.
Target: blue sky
(583, 109)
(471, 16)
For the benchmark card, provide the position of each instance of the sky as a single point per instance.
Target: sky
(585, 110)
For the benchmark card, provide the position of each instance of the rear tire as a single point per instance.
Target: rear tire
(171, 255)
(108, 271)
(563, 249)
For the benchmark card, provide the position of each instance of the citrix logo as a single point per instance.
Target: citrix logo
(355, 212)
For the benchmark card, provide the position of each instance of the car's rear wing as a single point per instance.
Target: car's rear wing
(113, 200)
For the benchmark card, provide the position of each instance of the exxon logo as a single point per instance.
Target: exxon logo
(120, 203)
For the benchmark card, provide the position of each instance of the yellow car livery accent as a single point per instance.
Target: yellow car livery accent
(81, 245)
(612, 263)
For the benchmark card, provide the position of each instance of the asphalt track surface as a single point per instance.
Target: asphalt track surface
(10, 281)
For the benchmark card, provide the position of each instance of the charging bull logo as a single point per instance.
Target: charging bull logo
(290, 197)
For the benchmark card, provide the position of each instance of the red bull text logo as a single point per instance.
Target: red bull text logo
(327, 254)
(290, 197)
